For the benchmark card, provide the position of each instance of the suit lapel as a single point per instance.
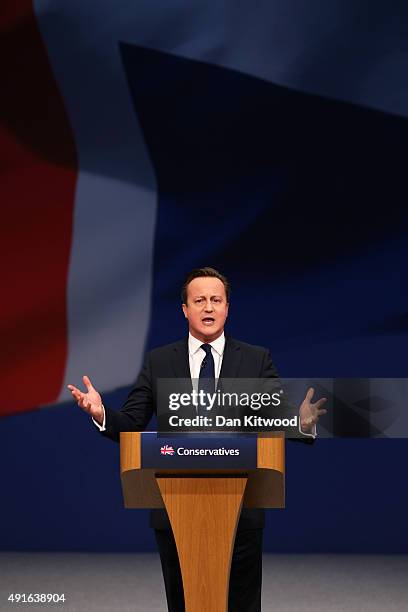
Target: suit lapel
(180, 360)
(231, 360)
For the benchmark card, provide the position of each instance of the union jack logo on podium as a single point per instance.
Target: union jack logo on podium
(167, 450)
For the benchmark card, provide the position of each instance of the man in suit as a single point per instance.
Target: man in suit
(205, 304)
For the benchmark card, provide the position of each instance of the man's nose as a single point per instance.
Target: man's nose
(209, 306)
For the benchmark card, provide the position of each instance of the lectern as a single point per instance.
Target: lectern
(203, 481)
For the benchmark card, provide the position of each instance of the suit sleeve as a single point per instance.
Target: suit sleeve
(269, 371)
(137, 410)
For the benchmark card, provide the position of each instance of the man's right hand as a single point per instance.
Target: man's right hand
(91, 401)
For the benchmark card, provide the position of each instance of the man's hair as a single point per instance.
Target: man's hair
(200, 272)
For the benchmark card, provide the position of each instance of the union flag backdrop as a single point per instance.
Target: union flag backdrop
(142, 139)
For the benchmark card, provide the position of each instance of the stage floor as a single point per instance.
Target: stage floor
(133, 582)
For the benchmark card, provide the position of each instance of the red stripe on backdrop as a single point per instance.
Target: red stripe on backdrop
(37, 187)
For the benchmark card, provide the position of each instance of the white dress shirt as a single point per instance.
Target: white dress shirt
(196, 355)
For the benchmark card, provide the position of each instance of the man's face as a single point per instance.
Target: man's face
(206, 308)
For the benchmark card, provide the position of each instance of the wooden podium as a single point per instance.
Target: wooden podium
(203, 503)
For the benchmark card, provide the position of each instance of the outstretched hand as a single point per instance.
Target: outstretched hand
(90, 401)
(309, 412)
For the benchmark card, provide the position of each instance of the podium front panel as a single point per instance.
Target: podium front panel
(144, 456)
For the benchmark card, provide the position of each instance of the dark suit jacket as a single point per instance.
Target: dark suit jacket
(240, 360)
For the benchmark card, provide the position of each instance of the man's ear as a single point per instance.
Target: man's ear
(227, 309)
(184, 307)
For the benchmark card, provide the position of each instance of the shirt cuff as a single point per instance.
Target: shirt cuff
(103, 426)
(312, 434)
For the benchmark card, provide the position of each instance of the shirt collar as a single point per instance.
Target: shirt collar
(218, 344)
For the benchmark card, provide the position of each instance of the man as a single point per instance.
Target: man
(205, 304)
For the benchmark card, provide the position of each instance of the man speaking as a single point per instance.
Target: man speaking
(208, 353)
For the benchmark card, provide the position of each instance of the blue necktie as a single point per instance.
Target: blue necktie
(206, 381)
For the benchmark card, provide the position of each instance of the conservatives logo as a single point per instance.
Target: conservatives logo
(167, 450)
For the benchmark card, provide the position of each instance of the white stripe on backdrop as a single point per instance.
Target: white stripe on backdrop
(110, 273)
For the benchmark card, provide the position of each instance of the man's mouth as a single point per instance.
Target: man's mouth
(208, 320)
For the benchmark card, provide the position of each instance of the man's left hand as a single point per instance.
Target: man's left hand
(310, 413)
